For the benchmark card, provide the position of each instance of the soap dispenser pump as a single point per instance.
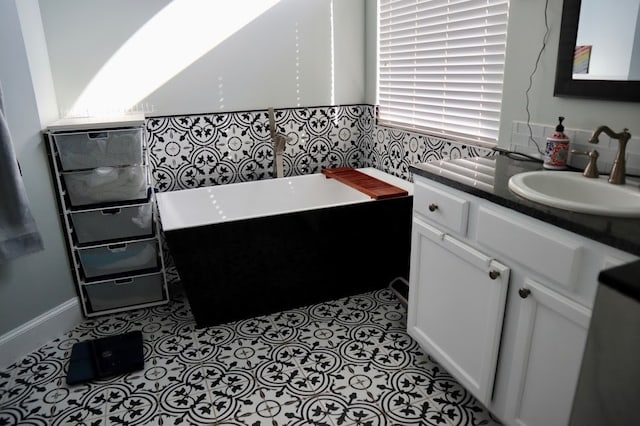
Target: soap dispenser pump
(557, 149)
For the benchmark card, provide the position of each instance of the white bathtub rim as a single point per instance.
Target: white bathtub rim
(174, 215)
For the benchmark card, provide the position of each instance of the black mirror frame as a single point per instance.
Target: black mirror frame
(565, 85)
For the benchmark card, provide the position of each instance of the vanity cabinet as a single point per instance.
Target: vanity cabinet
(551, 332)
(502, 301)
(457, 297)
(108, 213)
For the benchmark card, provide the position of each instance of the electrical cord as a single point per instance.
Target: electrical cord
(516, 155)
(535, 69)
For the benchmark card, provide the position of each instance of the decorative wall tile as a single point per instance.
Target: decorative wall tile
(213, 149)
(394, 150)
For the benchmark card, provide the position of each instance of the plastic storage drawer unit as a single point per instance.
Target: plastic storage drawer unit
(114, 223)
(106, 184)
(87, 150)
(119, 258)
(124, 292)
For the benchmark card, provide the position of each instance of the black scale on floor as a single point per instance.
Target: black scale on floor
(105, 357)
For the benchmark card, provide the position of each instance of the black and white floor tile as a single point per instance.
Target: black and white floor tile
(344, 362)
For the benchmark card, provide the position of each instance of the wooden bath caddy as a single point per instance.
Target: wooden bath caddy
(375, 188)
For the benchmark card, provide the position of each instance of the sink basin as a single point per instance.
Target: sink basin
(572, 191)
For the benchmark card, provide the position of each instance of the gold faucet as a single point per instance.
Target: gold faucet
(618, 172)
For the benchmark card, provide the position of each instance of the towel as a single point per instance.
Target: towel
(18, 231)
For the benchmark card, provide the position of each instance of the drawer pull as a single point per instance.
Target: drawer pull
(524, 292)
(433, 207)
(114, 248)
(494, 274)
(123, 281)
(109, 212)
(98, 135)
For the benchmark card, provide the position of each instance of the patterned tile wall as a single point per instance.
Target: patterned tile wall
(212, 149)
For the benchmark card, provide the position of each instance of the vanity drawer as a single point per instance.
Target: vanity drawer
(549, 254)
(114, 223)
(441, 207)
(87, 150)
(118, 293)
(119, 258)
(106, 184)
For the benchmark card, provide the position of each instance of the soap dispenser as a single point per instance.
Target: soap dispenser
(557, 149)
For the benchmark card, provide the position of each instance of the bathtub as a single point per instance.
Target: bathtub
(254, 248)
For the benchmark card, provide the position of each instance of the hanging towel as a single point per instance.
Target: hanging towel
(18, 232)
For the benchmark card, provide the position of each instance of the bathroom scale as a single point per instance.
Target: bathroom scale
(105, 357)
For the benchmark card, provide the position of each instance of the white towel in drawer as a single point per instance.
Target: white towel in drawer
(105, 184)
(87, 150)
(111, 224)
(119, 258)
(125, 292)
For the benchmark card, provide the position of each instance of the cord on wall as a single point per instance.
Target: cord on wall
(535, 69)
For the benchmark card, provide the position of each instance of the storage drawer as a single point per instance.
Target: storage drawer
(114, 223)
(441, 207)
(125, 292)
(119, 258)
(105, 184)
(545, 252)
(87, 150)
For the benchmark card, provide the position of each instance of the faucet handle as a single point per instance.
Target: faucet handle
(591, 171)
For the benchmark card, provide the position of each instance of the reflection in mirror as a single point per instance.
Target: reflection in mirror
(600, 57)
(607, 44)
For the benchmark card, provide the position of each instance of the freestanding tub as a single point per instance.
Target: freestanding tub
(254, 248)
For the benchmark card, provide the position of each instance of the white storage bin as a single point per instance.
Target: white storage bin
(113, 223)
(86, 150)
(125, 292)
(105, 184)
(119, 258)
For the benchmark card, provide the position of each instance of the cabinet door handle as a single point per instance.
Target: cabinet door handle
(524, 292)
(433, 207)
(494, 274)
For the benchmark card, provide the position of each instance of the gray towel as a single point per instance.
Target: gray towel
(18, 232)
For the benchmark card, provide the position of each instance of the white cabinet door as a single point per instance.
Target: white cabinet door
(551, 336)
(456, 305)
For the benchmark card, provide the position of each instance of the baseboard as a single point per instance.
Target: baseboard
(32, 335)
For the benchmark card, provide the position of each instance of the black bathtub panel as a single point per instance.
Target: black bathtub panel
(241, 269)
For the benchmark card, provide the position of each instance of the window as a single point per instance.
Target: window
(441, 66)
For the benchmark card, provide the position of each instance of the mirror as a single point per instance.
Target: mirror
(599, 50)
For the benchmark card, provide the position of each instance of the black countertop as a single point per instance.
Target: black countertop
(488, 177)
(624, 278)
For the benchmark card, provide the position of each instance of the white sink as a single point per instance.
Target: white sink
(572, 191)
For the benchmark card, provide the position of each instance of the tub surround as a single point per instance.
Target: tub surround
(488, 178)
(192, 151)
(245, 265)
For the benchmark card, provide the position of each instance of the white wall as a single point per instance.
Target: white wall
(33, 284)
(526, 29)
(295, 53)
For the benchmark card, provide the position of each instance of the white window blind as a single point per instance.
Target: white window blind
(441, 66)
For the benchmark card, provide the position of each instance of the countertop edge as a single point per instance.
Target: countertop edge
(543, 213)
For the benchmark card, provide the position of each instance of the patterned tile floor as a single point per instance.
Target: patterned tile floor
(344, 362)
